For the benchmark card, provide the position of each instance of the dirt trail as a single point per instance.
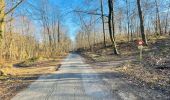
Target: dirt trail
(77, 80)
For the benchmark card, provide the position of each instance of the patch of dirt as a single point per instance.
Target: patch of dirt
(12, 85)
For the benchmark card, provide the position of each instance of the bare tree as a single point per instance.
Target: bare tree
(111, 26)
(103, 23)
(128, 19)
(3, 14)
(166, 21)
(158, 21)
(141, 23)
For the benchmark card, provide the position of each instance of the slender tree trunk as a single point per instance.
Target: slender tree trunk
(112, 18)
(166, 22)
(111, 32)
(50, 41)
(141, 23)
(104, 36)
(156, 26)
(120, 27)
(58, 31)
(2, 24)
(158, 16)
(2, 17)
(131, 32)
(128, 22)
(88, 38)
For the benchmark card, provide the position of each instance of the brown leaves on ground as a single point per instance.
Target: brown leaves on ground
(148, 75)
(153, 70)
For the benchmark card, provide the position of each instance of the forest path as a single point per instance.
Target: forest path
(77, 80)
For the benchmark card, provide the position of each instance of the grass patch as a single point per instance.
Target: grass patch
(17, 78)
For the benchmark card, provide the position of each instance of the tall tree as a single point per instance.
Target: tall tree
(103, 23)
(2, 17)
(111, 26)
(158, 21)
(58, 31)
(141, 23)
(3, 14)
(166, 20)
(128, 19)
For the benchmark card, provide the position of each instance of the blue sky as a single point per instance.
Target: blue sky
(69, 19)
(65, 6)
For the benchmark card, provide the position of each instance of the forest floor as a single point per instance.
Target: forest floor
(20, 75)
(153, 71)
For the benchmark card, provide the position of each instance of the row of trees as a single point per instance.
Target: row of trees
(36, 30)
(130, 18)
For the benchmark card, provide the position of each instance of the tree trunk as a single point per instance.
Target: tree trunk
(131, 32)
(112, 18)
(158, 16)
(128, 22)
(141, 23)
(2, 24)
(166, 22)
(111, 32)
(58, 31)
(104, 36)
(2, 15)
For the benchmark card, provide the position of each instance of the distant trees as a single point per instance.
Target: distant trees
(54, 39)
(136, 18)
(33, 31)
(99, 21)
(111, 24)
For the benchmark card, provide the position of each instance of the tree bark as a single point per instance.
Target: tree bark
(141, 23)
(2, 17)
(158, 16)
(111, 29)
(104, 35)
(128, 22)
(58, 31)
(166, 22)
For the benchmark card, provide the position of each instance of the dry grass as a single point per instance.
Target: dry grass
(17, 78)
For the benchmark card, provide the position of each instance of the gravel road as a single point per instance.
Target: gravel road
(77, 80)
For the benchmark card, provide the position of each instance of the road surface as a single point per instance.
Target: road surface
(77, 80)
